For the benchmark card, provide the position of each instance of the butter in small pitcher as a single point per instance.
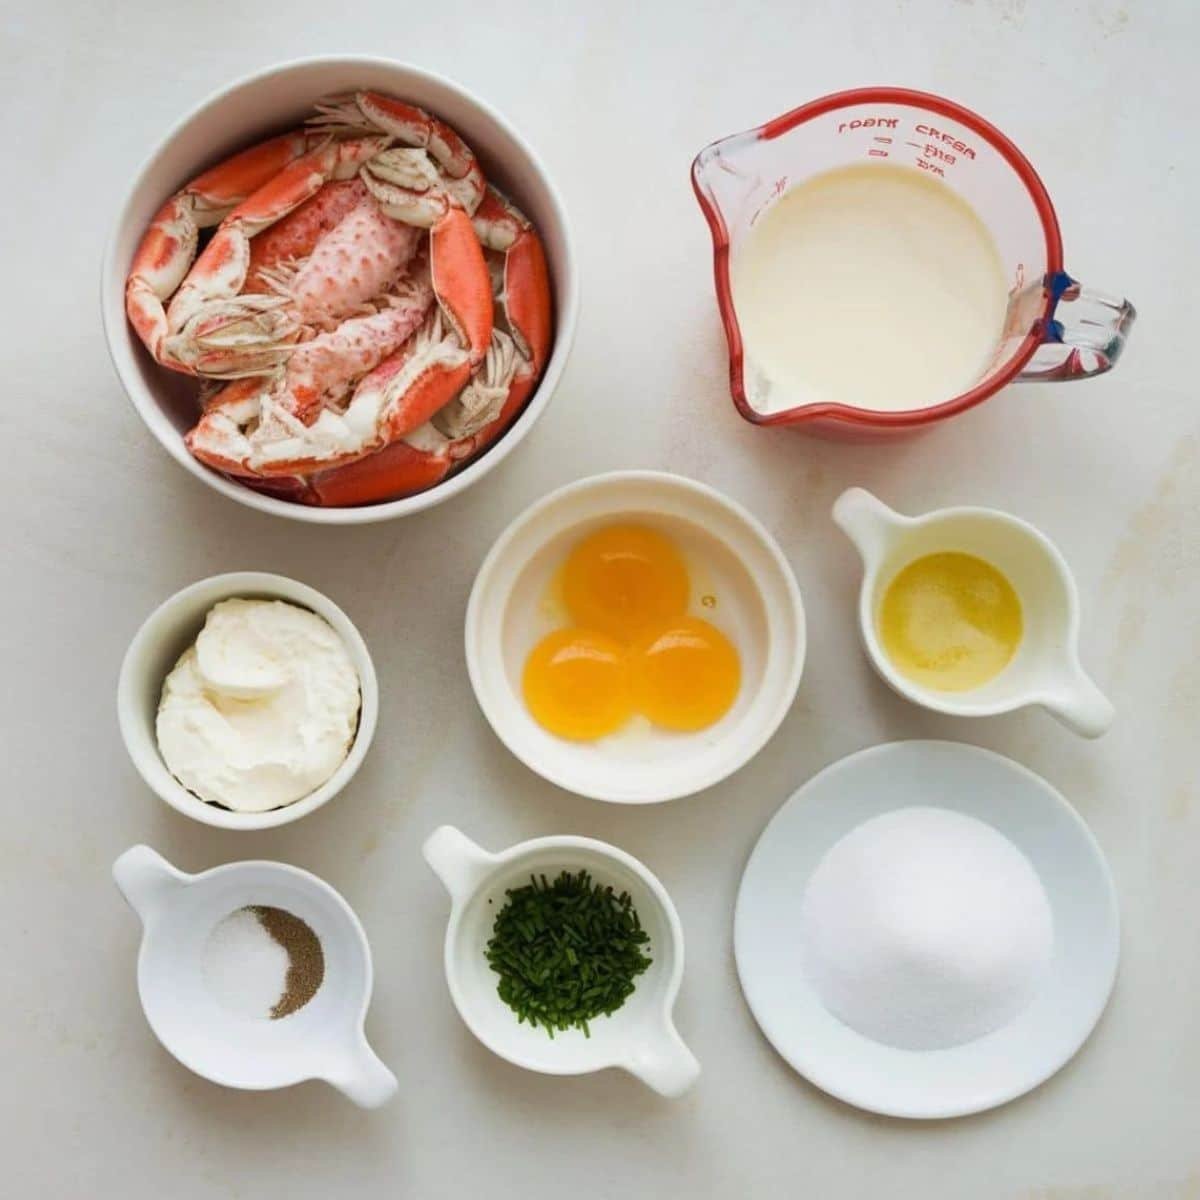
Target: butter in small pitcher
(950, 622)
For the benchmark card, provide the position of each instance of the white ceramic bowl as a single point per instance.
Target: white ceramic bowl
(164, 636)
(640, 1037)
(733, 561)
(272, 101)
(322, 1040)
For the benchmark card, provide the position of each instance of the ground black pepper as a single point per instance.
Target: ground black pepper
(306, 959)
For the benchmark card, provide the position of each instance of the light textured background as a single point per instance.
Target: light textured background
(102, 525)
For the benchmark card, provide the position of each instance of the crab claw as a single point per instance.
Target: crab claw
(405, 390)
(398, 470)
(525, 287)
(460, 424)
(461, 281)
(437, 167)
(168, 247)
(209, 297)
(460, 274)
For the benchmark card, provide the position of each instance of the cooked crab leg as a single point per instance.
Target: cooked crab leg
(168, 246)
(438, 169)
(428, 440)
(401, 469)
(357, 260)
(433, 181)
(297, 419)
(214, 331)
(523, 296)
(296, 235)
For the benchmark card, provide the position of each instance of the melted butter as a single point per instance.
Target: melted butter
(950, 621)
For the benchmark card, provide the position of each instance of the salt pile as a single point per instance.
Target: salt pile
(925, 929)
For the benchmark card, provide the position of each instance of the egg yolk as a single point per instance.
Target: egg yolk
(576, 684)
(624, 580)
(950, 621)
(686, 675)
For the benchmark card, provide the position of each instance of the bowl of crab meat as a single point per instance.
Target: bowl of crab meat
(341, 290)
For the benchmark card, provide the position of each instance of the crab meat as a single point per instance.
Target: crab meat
(300, 418)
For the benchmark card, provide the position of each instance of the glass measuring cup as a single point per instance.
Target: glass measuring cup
(1054, 328)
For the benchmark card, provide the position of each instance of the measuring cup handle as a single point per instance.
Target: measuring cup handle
(1083, 336)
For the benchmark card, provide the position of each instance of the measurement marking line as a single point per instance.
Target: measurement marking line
(888, 141)
(877, 153)
(916, 144)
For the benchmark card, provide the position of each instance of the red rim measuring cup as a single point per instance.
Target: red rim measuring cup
(1055, 329)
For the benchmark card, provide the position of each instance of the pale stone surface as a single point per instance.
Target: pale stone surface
(102, 526)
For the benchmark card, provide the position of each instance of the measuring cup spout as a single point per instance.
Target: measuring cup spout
(457, 861)
(866, 521)
(1080, 705)
(360, 1075)
(663, 1062)
(146, 880)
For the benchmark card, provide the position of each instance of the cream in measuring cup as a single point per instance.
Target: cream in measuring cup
(855, 246)
(873, 285)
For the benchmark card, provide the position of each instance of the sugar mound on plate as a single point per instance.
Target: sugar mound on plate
(925, 929)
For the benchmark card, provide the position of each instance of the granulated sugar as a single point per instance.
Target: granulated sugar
(924, 929)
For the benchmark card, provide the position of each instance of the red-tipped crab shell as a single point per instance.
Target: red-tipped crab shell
(168, 247)
(210, 330)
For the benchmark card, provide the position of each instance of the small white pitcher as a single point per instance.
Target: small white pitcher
(639, 1037)
(322, 1040)
(1045, 669)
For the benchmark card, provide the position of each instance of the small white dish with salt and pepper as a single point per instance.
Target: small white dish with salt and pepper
(321, 1039)
(741, 581)
(156, 648)
(991, 1069)
(639, 1037)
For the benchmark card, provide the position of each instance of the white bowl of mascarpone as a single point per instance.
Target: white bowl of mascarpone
(247, 700)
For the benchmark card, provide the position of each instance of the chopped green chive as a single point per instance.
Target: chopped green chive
(566, 952)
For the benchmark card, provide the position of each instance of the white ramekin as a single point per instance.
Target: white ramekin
(164, 636)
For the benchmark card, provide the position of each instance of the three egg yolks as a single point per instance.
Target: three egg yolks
(950, 621)
(630, 646)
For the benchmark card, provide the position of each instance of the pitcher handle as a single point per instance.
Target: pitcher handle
(361, 1075)
(457, 861)
(1081, 705)
(664, 1062)
(1085, 340)
(146, 880)
(867, 522)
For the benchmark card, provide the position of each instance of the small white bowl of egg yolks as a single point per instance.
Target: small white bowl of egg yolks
(640, 738)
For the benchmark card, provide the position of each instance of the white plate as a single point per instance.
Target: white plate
(964, 1079)
(740, 581)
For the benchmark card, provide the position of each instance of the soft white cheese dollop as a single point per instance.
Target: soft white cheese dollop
(262, 709)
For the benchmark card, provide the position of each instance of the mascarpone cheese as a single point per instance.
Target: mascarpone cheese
(262, 709)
